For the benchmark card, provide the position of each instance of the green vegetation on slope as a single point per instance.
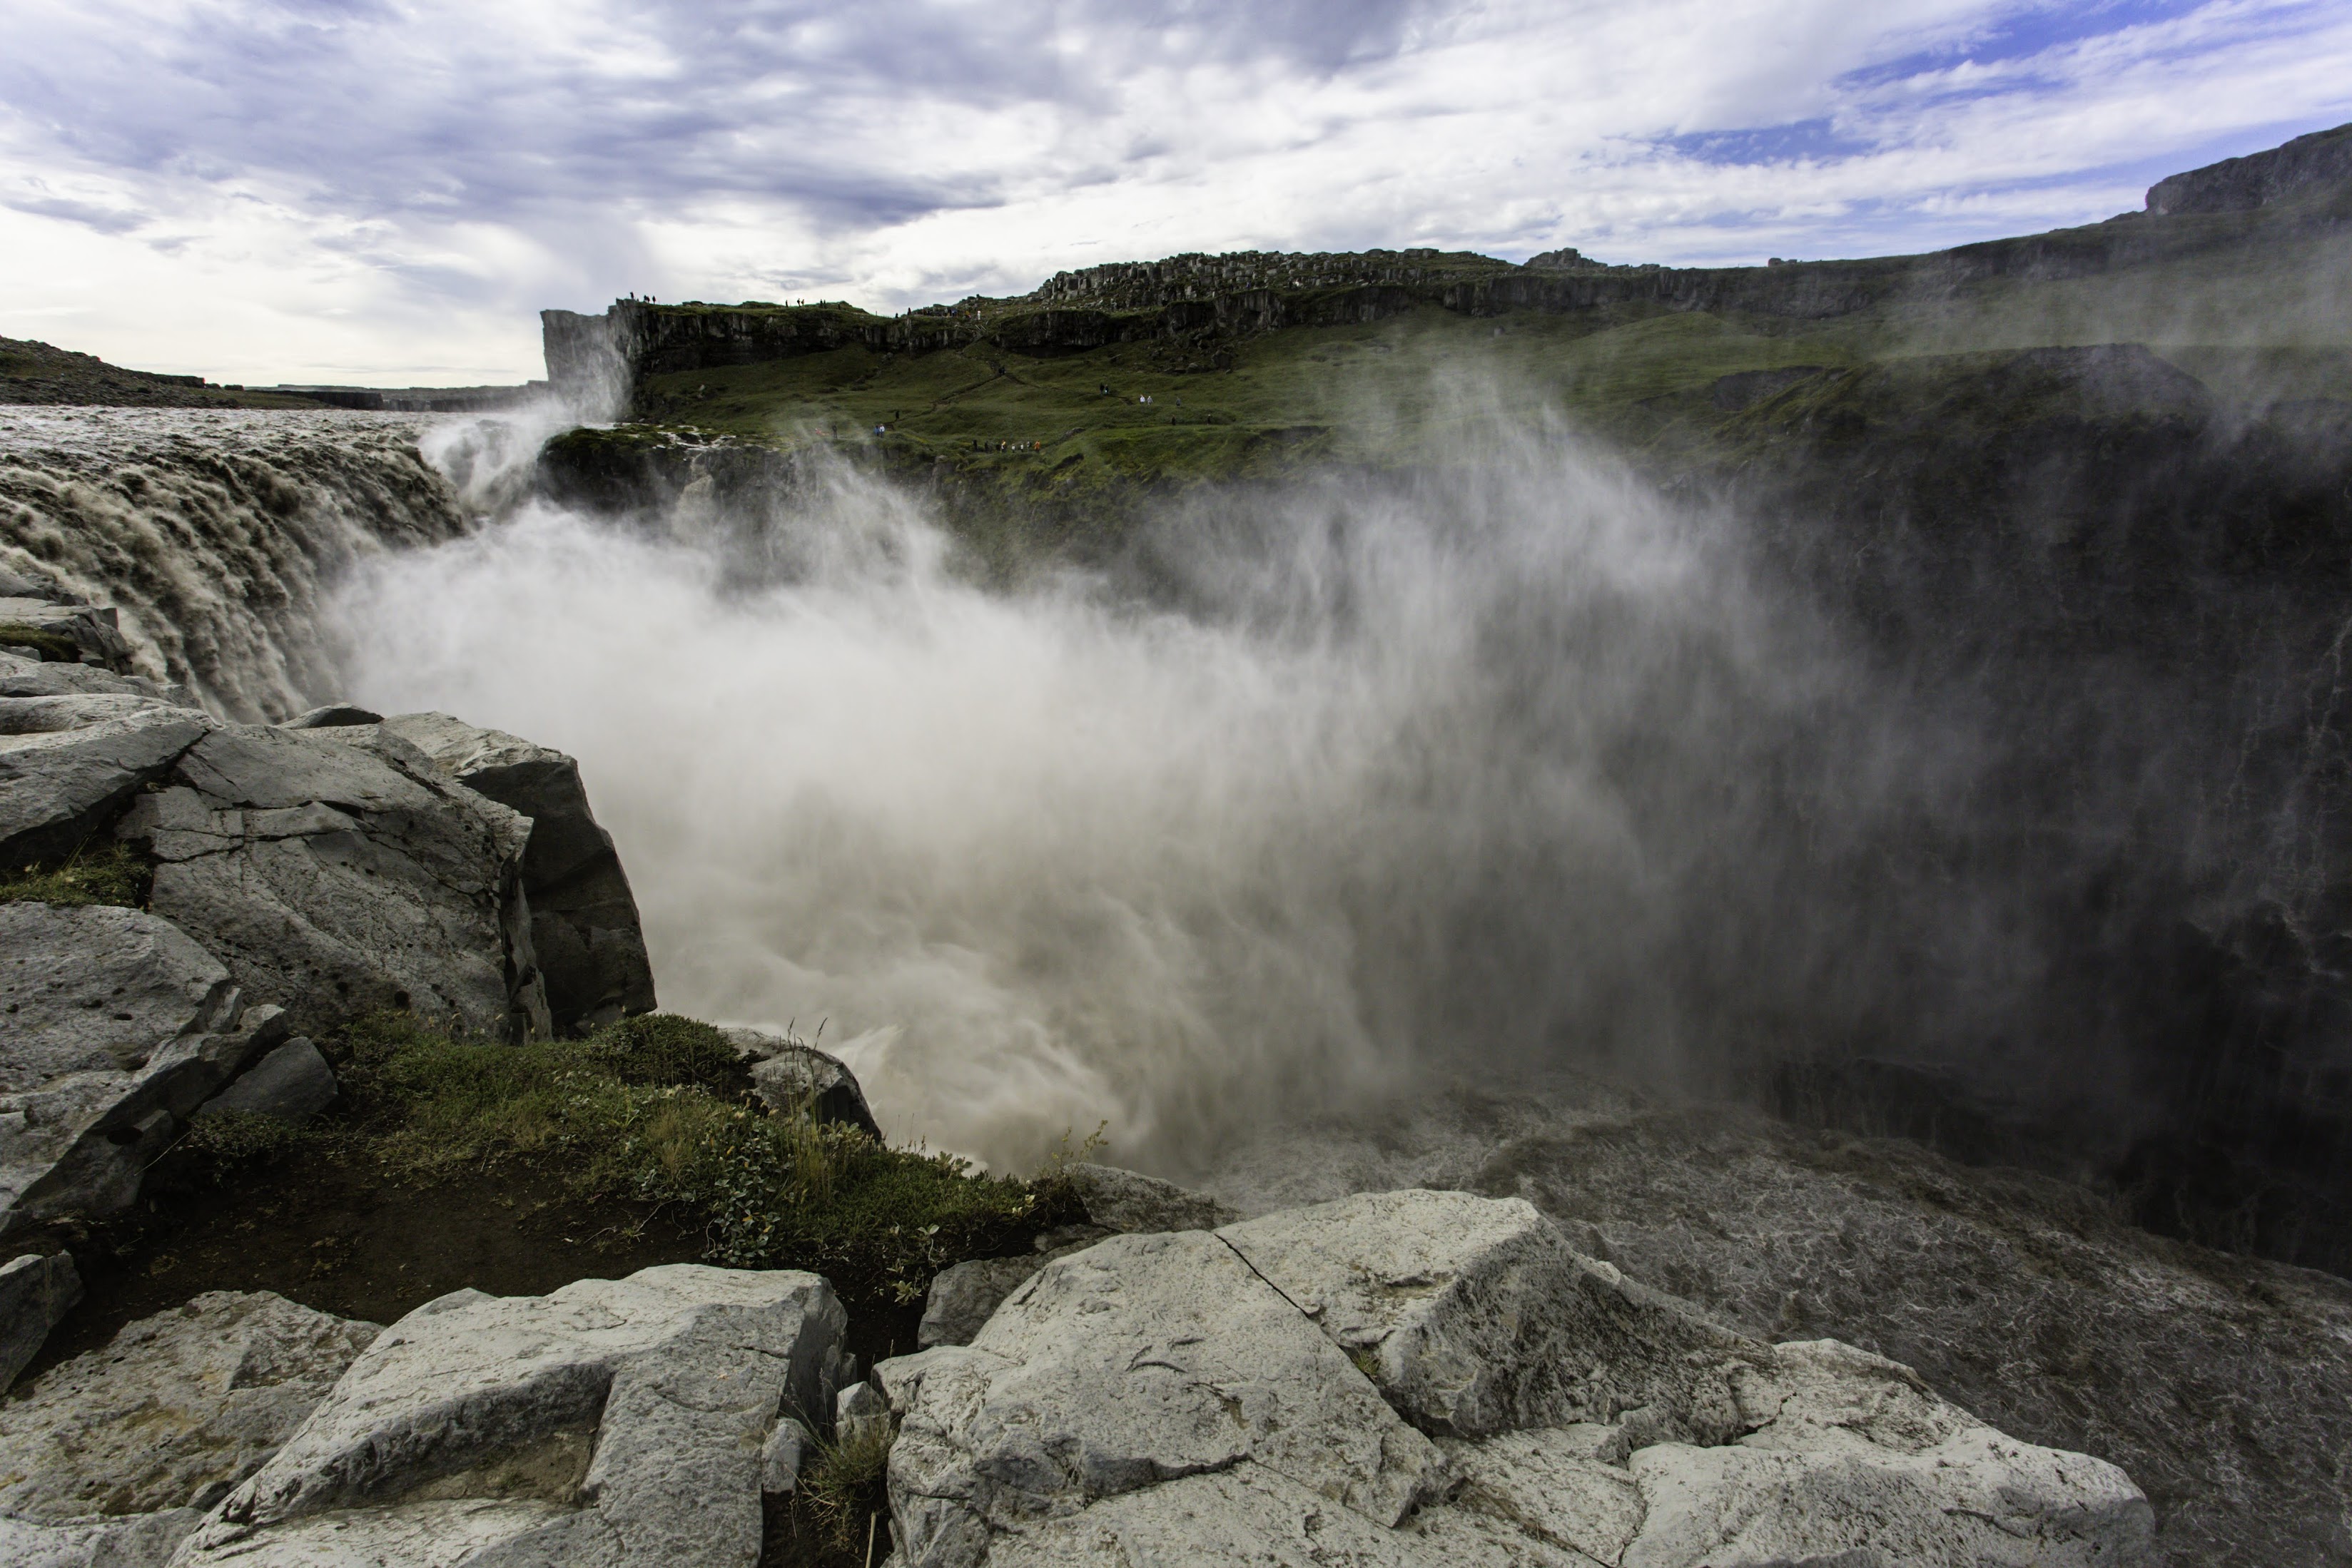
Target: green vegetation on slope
(111, 873)
(658, 1109)
(1014, 402)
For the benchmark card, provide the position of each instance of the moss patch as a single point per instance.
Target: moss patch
(47, 644)
(658, 1109)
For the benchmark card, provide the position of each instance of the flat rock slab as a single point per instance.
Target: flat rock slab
(136, 1541)
(611, 1421)
(60, 786)
(1138, 1361)
(174, 1411)
(335, 871)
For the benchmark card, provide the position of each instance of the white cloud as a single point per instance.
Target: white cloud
(369, 192)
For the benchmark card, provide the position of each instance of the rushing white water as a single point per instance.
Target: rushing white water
(1373, 771)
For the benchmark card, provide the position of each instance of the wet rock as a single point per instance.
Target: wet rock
(790, 1075)
(1125, 1200)
(613, 1422)
(588, 941)
(174, 1411)
(1474, 1316)
(1135, 1362)
(340, 876)
(23, 676)
(35, 1294)
(291, 1084)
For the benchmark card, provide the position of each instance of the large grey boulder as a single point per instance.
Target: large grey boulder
(118, 1026)
(35, 1294)
(338, 873)
(174, 1411)
(1474, 1316)
(61, 782)
(1135, 1362)
(584, 927)
(964, 1296)
(1148, 1400)
(611, 1423)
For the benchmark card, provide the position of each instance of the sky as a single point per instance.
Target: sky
(387, 191)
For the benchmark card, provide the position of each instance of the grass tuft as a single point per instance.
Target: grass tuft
(846, 1484)
(112, 875)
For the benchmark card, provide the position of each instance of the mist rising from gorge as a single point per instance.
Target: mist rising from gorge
(1317, 789)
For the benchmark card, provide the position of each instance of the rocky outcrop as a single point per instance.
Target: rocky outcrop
(585, 934)
(292, 1083)
(174, 1411)
(1168, 1397)
(614, 1422)
(121, 1026)
(339, 870)
(2299, 168)
(35, 1294)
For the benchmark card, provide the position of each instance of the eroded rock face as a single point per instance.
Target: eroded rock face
(590, 944)
(1184, 1397)
(62, 781)
(611, 1422)
(174, 1411)
(36, 1290)
(340, 875)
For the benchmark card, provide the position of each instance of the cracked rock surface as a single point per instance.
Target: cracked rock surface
(611, 1421)
(1256, 1396)
(174, 1411)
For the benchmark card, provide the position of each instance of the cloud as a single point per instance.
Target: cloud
(397, 184)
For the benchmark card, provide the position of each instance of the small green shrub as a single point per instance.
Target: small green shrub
(224, 1142)
(774, 1189)
(846, 1484)
(111, 874)
(663, 1049)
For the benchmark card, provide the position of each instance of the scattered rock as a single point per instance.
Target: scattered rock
(590, 944)
(614, 1422)
(333, 715)
(342, 876)
(35, 1294)
(791, 1074)
(1127, 1201)
(174, 1411)
(858, 1409)
(63, 631)
(781, 1454)
(292, 1083)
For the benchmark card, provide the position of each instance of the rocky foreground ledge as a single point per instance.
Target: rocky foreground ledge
(1408, 1378)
